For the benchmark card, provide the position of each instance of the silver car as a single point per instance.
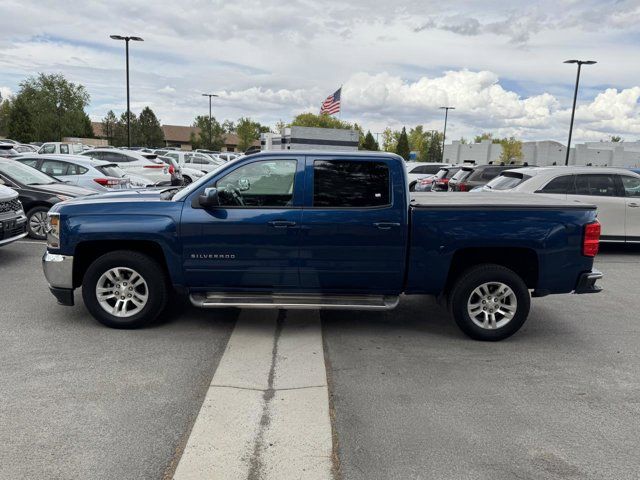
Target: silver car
(89, 173)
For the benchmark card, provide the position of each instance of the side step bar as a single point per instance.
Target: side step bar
(294, 301)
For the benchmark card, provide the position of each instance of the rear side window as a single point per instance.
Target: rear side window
(595, 185)
(451, 172)
(76, 169)
(64, 148)
(111, 171)
(347, 183)
(54, 167)
(461, 174)
(559, 185)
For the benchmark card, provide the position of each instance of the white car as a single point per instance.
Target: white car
(25, 148)
(418, 170)
(146, 165)
(615, 191)
(198, 161)
(64, 148)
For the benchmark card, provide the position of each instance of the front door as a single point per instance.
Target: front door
(353, 226)
(631, 186)
(251, 240)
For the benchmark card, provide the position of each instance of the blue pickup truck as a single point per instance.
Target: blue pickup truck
(318, 230)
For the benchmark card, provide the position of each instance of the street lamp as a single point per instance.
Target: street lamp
(444, 133)
(575, 96)
(126, 40)
(210, 123)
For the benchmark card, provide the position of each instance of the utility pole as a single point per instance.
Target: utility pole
(575, 97)
(127, 40)
(444, 132)
(210, 95)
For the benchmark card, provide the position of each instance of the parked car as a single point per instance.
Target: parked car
(176, 172)
(79, 170)
(615, 191)
(13, 222)
(7, 150)
(226, 156)
(440, 183)
(64, 148)
(24, 148)
(322, 230)
(184, 175)
(195, 160)
(37, 193)
(419, 170)
(135, 163)
(470, 177)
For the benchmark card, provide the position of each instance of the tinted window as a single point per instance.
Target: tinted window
(597, 185)
(560, 185)
(631, 186)
(460, 174)
(426, 169)
(115, 157)
(64, 148)
(451, 173)
(507, 181)
(344, 183)
(259, 184)
(111, 171)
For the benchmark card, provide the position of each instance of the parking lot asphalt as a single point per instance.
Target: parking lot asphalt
(414, 399)
(78, 400)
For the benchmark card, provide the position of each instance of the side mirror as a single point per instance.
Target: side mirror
(209, 198)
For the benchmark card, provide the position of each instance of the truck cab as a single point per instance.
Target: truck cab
(314, 230)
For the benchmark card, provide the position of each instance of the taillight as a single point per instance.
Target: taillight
(591, 241)
(426, 181)
(107, 182)
(462, 187)
(171, 169)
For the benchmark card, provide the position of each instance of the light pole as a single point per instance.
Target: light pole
(575, 97)
(444, 132)
(210, 123)
(126, 40)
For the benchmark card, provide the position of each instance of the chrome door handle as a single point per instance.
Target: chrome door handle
(385, 225)
(282, 223)
(633, 204)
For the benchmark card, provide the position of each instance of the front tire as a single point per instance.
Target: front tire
(489, 302)
(37, 222)
(124, 289)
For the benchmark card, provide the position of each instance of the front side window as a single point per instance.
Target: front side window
(631, 186)
(259, 184)
(348, 183)
(596, 185)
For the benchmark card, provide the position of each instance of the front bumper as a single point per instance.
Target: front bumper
(58, 270)
(587, 282)
(12, 228)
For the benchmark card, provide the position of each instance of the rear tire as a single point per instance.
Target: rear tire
(489, 302)
(125, 289)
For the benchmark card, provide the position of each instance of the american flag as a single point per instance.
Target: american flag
(332, 104)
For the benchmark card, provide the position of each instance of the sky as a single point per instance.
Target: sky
(500, 64)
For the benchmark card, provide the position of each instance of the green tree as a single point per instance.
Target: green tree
(150, 131)
(402, 148)
(389, 140)
(109, 124)
(369, 142)
(21, 122)
(228, 126)
(211, 135)
(320, 121)
(511, 150)
(248, 131)
(616, 139)
(5, 111)
(56, 106)
(434, 151)
(280, 125)
(483, 136)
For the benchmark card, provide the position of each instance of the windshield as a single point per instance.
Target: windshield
(507, 181)
(112, 170)
(25, 175)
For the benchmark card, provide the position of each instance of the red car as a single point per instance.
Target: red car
(441, 181)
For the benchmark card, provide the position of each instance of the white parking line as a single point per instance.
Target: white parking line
(266, 413)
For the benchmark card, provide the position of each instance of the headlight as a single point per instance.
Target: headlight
(63, 197)
(53, 230)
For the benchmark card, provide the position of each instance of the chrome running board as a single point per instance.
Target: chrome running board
(294, 301)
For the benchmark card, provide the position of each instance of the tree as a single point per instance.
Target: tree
(55, 105)
(248, 131)
(280, 125)
(434, 152)
(319, 121)
(5, 111)
(21, 122)
(389, 140)
(402, 148)
(109, 126)
(483, 136)
(616, 139)
(211, 135)
(228, 126)
(150, 131)
(511, 150)
(369, 142)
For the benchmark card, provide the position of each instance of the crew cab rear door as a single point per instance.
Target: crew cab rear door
(354, 225)
(251, 240)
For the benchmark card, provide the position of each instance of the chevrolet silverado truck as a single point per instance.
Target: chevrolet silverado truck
(319, 230)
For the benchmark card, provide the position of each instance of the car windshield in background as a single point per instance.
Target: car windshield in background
(111, 171)
(25, 175)
(507, 181)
